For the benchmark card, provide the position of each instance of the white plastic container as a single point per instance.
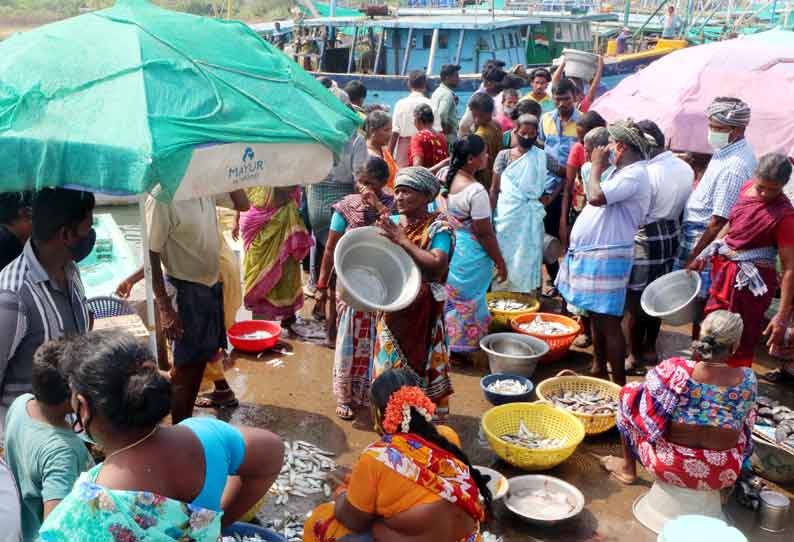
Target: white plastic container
(374, 274)
(580, 64)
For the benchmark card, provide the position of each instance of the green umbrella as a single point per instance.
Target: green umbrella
(125, 99)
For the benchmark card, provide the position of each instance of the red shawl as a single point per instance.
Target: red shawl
(753, 221)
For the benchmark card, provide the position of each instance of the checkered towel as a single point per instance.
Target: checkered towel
(655, 248)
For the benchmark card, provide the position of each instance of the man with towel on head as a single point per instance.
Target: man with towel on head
(595, 272)
(732, 164)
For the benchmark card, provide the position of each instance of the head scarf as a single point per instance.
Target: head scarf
(625, 131)
(419, 179)
(729, 111)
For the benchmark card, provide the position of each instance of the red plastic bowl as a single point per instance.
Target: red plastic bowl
(250, 326)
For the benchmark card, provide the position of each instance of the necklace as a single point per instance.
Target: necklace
(715, 364)
(133, 445)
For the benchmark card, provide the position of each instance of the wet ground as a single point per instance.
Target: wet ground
(295, 400)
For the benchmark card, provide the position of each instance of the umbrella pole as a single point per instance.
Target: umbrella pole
(151, 317)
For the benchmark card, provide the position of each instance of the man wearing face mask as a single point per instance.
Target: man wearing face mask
(595, 272)
(710, 204)
(41, 294)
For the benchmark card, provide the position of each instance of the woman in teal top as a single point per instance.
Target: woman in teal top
(157, 483)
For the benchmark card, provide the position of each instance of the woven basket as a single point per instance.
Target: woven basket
(558, 344)
(542, 419)
(501, 319)
(570, 381)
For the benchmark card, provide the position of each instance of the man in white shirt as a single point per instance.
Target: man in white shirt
(403, 118)
(656, 242)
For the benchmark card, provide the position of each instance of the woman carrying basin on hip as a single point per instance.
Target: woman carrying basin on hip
(415, 338)
(477, 251)
(414, 483)
(690, 422)
(744, 278)
(355, 328)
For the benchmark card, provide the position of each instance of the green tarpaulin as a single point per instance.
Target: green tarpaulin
(117, 100)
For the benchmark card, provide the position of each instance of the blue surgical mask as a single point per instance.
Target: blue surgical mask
(82, 432)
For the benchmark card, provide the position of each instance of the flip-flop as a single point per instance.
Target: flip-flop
(345, 412)
(779, 376)
(206, 401)
(619, 477)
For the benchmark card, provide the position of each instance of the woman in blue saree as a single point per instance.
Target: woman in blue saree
(521, 174)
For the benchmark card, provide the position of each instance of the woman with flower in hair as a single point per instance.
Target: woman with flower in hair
(415, 482)
(157, 483)
(690, 423)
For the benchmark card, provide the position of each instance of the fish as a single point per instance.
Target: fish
(585, 402)
(773, 414)
(508, 305)
(508, 386)
(304, 473)
(533, 441)
(255, 336)
(543, 503)
(290, 526)
(545, 327)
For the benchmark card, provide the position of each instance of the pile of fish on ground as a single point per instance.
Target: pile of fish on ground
(772, 414)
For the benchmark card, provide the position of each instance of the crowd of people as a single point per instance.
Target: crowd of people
(472, 200)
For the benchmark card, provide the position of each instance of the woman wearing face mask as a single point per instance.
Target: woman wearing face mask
(477, 250)
(355, 328)
(510, 99)
(415, 338)
(519, 177)
(157, 482)
(743, 275)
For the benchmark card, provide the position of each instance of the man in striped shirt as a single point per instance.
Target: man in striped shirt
(41, 294)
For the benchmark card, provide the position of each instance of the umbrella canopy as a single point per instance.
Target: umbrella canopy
(675, 91)
(123, 99)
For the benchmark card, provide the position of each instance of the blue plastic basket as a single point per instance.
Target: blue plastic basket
(502, 399)
(247, 529)
(107, 307)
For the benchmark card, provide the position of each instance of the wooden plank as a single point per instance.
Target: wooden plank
(407, 53)
(352, 50)
(460, 47)
(433, 47)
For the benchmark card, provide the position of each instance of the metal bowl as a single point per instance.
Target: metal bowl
(529, 482)
(513, 353)
(374, 274)
(498, 484)
(671, 297)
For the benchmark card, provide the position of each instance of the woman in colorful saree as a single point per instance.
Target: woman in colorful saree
(476, 249)
(415, 338)
(743, 274)
(414, 483)
(157, 483)
(355, 328)
(690, 422)
(275, 241)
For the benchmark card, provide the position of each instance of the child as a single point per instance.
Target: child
(482, 106)
(43, 452)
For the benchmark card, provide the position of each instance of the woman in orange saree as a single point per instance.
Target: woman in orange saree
(414, 482)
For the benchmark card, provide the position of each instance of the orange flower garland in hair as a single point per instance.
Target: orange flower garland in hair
(398, 410)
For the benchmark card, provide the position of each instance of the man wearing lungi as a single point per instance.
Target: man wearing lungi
(656, 242)
(595, 271)
(732, 164)
(183, 238)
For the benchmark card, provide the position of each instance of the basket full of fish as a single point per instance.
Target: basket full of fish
(504, 306)
(556, 330)
(532, 436)
(593, 401)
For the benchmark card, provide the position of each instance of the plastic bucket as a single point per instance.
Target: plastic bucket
(374, 274)
(580, 64)
(665, 502)
(671, 297)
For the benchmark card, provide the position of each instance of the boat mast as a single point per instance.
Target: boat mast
(626, 13)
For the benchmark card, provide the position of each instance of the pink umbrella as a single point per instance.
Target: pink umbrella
(675, 90)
